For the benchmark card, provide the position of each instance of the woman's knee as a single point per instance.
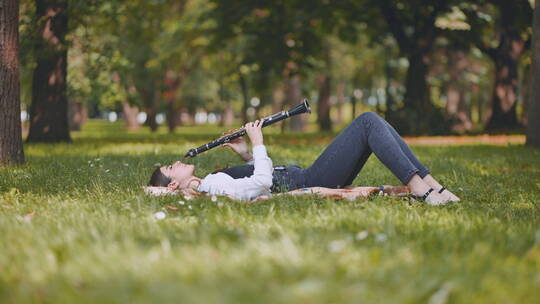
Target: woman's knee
(368, 116)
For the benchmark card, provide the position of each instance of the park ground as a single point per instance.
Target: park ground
(75, 226)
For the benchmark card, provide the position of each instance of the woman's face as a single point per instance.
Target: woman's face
(178, 171)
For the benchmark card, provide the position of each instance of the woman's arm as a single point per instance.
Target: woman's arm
(246, 188)
(249, 187)
(261, 180)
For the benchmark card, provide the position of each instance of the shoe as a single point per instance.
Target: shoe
(428, 197)
(450, 193)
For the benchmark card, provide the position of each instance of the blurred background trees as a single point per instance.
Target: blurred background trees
(428, 66)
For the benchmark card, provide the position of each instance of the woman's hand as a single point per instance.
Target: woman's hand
(240, 147)
(253, 130)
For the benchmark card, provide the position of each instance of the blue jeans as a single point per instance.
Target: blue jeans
(342, 160)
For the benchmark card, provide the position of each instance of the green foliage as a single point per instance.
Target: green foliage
(218, 53)
(277, 33)
(76, 227)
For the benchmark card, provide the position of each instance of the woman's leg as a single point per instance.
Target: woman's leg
(343, 159)
(423, 172)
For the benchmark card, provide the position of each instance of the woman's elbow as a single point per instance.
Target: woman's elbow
(263, 181)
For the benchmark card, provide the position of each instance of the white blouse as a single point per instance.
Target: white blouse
(246, 188)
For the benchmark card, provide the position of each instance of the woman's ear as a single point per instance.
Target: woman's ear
(173, 185)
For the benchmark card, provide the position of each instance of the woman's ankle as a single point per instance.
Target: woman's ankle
(425, 191)
(418, 186)
(428, 179)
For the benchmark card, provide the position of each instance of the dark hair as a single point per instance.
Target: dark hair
(158, 179)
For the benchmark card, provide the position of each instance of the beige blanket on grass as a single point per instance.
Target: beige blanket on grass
(349, 193)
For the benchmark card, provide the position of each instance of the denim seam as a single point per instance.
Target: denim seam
(423, 173)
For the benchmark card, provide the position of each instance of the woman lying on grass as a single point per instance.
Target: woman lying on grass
(335, 168)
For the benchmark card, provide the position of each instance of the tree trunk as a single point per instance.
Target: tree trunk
(130, 116)
(418, 115)
(228, 115)
(456, 105)
(417, 95)
(245, 97)
(504, 95)
(354, 101)
(151, 121)
(173, 116)
(340, 94)
(11, 148)
(49, 109)
(533, 128)
(77, 115)
(525, 96)
(293, 95)
(172, 83)
(323, 109)
(506, 58)
(150, 107)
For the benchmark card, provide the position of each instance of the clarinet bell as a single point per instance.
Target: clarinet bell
(302, 107)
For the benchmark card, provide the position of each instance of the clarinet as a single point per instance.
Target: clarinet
(303, 107)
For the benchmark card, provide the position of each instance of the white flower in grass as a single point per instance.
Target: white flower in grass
(220, 204)
(188, 197)
(160, 215)
(107, 171)
(362, 235)
(126, 165)
(189, 207)
(181, 203)
(337, 245)
(214, 198)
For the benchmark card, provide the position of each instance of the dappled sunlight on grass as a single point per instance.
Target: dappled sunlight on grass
(77, 227)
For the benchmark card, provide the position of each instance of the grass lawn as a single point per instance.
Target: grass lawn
(75, 226)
